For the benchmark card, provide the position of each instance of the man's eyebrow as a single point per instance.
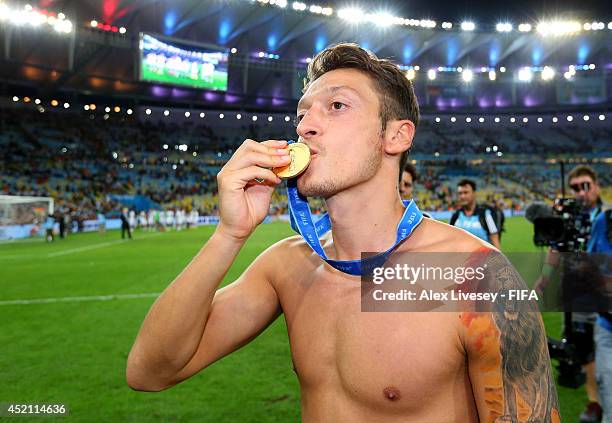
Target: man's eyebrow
(330, 90)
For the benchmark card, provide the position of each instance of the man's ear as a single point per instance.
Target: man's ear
(398, 136)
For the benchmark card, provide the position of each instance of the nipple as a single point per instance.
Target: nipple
(391, 393)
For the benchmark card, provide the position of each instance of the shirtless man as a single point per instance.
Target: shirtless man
(358, 117)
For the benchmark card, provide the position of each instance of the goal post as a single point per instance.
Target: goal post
(21, 211)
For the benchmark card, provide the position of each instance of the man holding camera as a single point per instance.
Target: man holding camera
(583, 182)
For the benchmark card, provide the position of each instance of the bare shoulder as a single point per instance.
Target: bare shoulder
(287, 256)
(435, 236)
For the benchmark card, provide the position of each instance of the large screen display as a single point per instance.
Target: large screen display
(180, 64)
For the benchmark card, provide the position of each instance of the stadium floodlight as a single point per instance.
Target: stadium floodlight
(468, 26)
(299, 6)
(66, 105)
(238, 116)
(586, 118)
(504, 27)
(555, 119)
(481, 119)
(381, 19)
(86, 107)
(438, 120)
(540, 120)
(468, 119)
(467, 75)
(351, 14)
(129, 111)
(567, 75)
(107, 109)
(557, 28)
(525, 74)
(492, 75)
(524, 27)
(122, 30)
(592, 66)
(410, 74)
(447, 25)
(512, 119)
(93, 23)
(499, 154)
(202, 114)
(453, 119)
(92, 107)
(187, 114)
(609, 25)
(287, 118)
(602, 117)
(195, 154)
(494, 148)
(117, 109)
(234, 50)
(488, 149)
(15, 98)
(570, 118)
(496, 120)
(166, 112)
(525, 120)
(148, 111)
(548, 73)
(221, 115)
(261, 54)
(270, 118)
(165, 146)
(502, 69)
(254, 118)
(37, 101)
(54, 103)
(431, 74)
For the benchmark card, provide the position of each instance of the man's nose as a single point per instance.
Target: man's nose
(309, 125)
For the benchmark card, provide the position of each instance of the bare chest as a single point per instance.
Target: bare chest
(407, 359)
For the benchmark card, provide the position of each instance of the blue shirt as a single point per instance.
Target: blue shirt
(599, 243)
(473, 226)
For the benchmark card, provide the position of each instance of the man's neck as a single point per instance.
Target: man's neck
(469, 208)
(364, 219)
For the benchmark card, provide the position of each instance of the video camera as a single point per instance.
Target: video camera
(564, 227)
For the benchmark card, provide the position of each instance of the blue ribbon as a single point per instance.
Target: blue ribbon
(301, 221)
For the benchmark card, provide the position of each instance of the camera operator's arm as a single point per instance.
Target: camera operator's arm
(551, 264)
(508, 360)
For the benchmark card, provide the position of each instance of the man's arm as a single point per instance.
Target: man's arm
(192, 324)
(495, 241)
(508, 360)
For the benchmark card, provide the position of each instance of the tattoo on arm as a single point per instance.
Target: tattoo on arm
(515, 343)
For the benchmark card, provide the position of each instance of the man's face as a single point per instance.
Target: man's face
(339, 120)
(406, 185)
(585, 189)
(466, 195)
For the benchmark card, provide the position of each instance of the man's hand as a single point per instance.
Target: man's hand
(243, 202)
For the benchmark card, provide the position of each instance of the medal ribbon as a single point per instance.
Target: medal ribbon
(301, 221)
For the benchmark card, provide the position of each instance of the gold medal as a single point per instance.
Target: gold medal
(300, 159)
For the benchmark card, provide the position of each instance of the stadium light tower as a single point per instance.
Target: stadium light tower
(351, 14)
(431, 74)
(525, 75)
(548, 73)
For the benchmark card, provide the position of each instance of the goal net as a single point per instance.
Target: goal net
(22, 210)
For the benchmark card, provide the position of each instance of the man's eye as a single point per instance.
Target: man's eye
(337, 105)
(297, 119)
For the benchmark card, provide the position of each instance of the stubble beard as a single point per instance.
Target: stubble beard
(333, 184)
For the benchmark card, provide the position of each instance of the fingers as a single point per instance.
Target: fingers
(269, 154)
(256, 173)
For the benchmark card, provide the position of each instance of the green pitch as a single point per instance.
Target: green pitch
(219, 80)
(74, 351)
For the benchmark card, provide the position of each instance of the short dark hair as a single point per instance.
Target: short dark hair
(411, 169)
(396, 94)
(582, 170)
(469, 182)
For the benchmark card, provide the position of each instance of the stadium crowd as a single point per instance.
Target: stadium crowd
(82, 159)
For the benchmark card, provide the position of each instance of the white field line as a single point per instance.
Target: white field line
(80, 249)
(81, 299)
